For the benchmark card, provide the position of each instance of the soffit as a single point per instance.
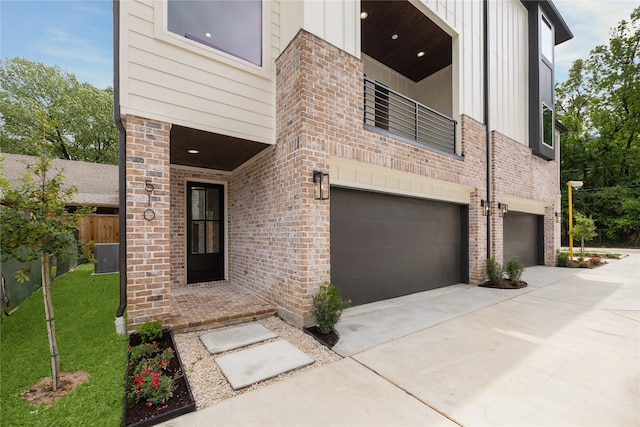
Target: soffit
(416, 33)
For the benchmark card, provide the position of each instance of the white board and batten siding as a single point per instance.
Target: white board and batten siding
(508, 60)
(169, 78)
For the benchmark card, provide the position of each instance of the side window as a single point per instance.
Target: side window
(233, 27)
(547, 125)
(546, 40)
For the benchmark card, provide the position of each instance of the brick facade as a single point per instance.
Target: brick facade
(148, 214)
(278, 234)
(517, 172)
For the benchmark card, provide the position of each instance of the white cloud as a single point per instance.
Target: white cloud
(86, 60)
(591, 22)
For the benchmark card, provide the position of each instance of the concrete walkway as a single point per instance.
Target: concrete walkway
(564, 351)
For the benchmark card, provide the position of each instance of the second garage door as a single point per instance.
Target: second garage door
(522, 238)
(384, 246)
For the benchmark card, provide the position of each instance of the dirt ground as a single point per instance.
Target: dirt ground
(41, 393)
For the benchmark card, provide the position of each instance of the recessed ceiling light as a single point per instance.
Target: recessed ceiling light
(394, 37)
(207, 35)
(192, 151)
(363, 15)
(420, 54)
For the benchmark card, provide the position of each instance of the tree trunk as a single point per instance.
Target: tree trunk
(582, 247)
(51, 325)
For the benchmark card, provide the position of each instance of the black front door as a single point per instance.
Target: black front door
(205, 232)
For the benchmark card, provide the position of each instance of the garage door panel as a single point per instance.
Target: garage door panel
(384, 246)
(522, 237)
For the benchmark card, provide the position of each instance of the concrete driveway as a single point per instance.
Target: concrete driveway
(563, 352)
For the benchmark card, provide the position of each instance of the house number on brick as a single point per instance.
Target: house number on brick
(149, 214)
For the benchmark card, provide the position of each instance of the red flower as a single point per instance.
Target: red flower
(155, 382)
(149, 404)
(155, 374)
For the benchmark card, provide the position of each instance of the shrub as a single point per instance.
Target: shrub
(150, 331)
(595, 260)
(514, 269)
(562, 258)
(494, 271)
(328, 306)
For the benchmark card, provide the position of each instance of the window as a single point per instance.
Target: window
(233, 27)
(546, 40)
(547, 125)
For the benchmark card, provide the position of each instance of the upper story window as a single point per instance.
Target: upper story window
(546, 40)
(547, 125)
(233, 27)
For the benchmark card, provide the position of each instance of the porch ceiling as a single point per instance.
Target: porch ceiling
(215, 151)
(416, 33)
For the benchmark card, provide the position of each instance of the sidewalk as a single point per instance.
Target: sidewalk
(564, 351)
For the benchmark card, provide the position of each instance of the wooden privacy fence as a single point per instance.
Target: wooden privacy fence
(100, 229)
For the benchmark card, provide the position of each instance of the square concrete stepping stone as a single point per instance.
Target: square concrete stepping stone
(247, 367)
(230, 339)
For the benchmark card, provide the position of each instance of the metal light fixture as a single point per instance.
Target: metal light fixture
(320, 185)
(557, 216)
(570, 185)
(486, 207)
(503, 209)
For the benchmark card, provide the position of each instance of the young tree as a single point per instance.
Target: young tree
(35, 224)
(81, 114)
(583, 228)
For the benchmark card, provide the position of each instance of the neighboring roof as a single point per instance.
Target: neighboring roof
(97, 183)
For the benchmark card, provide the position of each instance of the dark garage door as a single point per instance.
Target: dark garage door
(385, 246)
(522, 238)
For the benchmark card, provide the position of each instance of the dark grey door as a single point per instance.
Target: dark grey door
(205, 232)
(384, 246)
(522, 238)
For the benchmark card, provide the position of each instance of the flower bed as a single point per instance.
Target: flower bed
(156, 389)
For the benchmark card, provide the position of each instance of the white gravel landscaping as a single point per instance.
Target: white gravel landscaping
(208, 384)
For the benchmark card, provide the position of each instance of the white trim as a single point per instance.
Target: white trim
(161, 33)
(225, 185)
(363, 176)
(519, 204)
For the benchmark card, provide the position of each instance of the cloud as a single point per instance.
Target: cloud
(591, 23)
(84, 58)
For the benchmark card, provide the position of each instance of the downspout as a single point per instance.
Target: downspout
(485, 29)
(121, 327)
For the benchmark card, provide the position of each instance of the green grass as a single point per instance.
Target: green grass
(85, 308)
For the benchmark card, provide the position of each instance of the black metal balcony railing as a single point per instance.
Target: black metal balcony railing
(402, 116)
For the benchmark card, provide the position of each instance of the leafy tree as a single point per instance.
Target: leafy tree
(583, 229)
(80, 114)
(35, 224)
(600, 105)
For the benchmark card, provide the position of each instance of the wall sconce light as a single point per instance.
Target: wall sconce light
(486, 208)
(557, 216)
(320, 185)
(503, 209)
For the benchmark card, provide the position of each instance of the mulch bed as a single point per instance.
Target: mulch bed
(505, 284)
(329, 339)
(182, 402)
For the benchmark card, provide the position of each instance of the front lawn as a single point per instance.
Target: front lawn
(85, 308)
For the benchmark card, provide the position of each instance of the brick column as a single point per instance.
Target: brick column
(148, 220)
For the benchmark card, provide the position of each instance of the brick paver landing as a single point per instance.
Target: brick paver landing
(196, 307)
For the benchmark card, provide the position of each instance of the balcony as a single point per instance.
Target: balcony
(391, 112)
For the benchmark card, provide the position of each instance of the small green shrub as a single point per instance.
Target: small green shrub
(514, 269)
(494, 271)
(150, 331)
(562, 258)
(328, 306)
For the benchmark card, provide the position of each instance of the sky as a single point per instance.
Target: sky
(76, 34)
